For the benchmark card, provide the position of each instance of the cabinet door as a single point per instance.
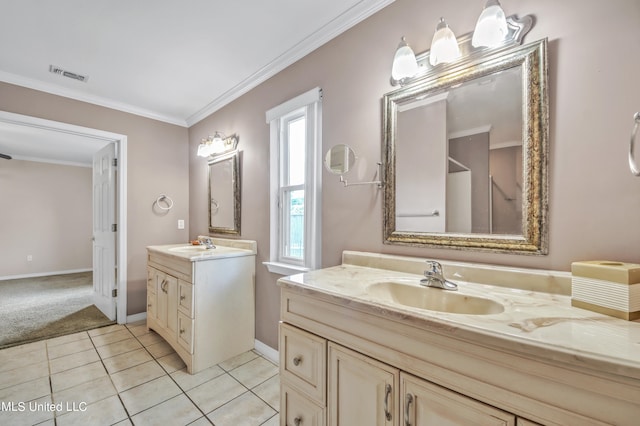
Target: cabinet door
(362, 391)
(427, 404)
(172, 304)
(167, 305)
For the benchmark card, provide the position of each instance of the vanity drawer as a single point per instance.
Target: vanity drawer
(151, 285)
(295, 409)
(303, 361)
(185, 332)
(185, 298)
(152, 302)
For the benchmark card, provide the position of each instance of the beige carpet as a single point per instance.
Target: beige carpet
(39, 308)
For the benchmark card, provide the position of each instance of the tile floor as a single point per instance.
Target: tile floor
(123, 375)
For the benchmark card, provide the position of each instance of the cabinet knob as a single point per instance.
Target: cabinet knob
(182, 331)
(149, 305)
(182, 297)
(297, 421)
(297, 360)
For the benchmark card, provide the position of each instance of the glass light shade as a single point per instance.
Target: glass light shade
(491, 28)
(211, 145)
(444, 46)
(404, 62)
(217, 145)
(204, 149)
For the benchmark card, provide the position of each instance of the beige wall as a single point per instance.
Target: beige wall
(594, 200)
(157, 164)
(46, 213)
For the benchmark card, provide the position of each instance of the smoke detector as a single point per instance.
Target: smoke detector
(69, 74)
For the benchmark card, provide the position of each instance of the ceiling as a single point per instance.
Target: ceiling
(172, 61)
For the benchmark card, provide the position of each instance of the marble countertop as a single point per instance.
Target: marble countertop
(533, 323)
(224, 248)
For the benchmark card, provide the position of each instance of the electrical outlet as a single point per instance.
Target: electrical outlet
(180, 224)
(29, 258)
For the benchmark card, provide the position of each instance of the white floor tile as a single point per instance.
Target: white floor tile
(119, 375)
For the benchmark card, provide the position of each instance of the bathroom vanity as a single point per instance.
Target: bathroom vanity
(364, 344)
(201, 301)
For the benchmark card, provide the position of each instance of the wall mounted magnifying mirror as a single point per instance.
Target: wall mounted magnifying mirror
(470, 143)
(224, 194)
(340, 159)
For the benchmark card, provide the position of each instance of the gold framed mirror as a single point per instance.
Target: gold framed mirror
(224, 194)
(465, 155)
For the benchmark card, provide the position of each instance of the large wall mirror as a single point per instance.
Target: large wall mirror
(224, 194)
(465, 155)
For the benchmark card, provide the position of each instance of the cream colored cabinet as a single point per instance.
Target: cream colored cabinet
(204, 309)
(427, 404)
(362, 391)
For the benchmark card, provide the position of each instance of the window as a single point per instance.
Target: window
(295, 183)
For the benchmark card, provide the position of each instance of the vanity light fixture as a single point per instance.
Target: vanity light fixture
(491, 28)
(404, 62)
(493, 32)
(444, 46)
(217, 144)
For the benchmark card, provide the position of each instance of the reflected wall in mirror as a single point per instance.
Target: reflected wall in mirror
(224, 194)
(466, 155)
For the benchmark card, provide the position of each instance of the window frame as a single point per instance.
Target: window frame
(309, 105)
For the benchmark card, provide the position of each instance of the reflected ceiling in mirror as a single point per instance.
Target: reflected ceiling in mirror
(465, 156)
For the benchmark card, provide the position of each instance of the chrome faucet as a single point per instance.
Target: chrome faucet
(208, 242)
(435, 278)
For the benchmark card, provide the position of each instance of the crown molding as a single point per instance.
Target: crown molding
(66, 92)
(337, 26)
(340, 24)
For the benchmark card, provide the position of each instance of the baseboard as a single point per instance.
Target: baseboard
(136, 317)
(44, 274)
(267, 351)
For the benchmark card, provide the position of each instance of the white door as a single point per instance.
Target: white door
(104, 234)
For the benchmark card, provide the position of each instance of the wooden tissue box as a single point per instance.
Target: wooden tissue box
(610, 288)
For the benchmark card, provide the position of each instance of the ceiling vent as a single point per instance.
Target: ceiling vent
(57, 70)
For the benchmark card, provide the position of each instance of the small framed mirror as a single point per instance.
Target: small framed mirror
(224, 194)
(340, 159)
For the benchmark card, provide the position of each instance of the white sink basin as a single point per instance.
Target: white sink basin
(433, 299)
(190, 249)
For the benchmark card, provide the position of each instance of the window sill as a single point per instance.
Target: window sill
(284, 268)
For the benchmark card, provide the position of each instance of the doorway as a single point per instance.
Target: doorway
(99, 138)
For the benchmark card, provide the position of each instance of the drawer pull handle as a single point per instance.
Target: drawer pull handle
(297, 421)
(387, 393)
(163, 286)
(407, 403)
(297, 360)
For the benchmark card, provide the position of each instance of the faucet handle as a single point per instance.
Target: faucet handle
(434, 268)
